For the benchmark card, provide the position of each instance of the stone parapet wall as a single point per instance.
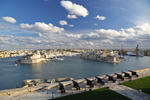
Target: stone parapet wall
(19, 91)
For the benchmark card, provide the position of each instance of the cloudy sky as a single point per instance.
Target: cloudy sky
(35, 24)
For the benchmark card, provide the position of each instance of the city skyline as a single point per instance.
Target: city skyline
(37, 24)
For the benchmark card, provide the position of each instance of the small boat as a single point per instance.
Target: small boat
(134, 54)
(121, 57)
(57, 59)
(131, 54)
(16, 65)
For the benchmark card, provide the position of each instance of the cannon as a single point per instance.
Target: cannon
(111, 78)
(119, 76)
(76, 85)
(127, 75)
(89, 82)
(99, 80)
(134, 73)
(61, 87)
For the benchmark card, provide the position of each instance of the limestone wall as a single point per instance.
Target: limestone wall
(18, 91)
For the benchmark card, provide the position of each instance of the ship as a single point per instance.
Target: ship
(136, 52)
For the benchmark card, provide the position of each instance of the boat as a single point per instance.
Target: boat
(136, 52)
(16, 64)
(57, 59)
(131, 54)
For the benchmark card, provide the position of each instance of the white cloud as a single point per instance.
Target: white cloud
(91, 43)
(95, 24)
(27, 26)
(106, 41)
(74, 35)
(71, 25)
(99, 38)
(63, 22)
(100, 17)
(102, 38)
(9, 19)
(109, 32)
(92, 34)
(71, 16)
(74, 9)
(42, 27)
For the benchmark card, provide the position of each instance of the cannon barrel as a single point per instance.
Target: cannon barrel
(127, 75)
(99, 80)
(76, 85)
(111, 78)
(133, 73)
(61, 87)
(89, 82)
(119, 76)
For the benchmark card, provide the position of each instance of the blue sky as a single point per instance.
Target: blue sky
(50, 11)
(94, 23)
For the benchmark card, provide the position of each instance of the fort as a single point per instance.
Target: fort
(44, 88)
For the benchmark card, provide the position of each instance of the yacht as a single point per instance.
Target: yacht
(57, 59)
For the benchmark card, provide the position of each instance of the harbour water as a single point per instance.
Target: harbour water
(11, 75)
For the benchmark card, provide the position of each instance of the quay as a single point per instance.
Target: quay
(52, 90)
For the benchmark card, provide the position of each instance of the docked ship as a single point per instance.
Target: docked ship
(136, 52)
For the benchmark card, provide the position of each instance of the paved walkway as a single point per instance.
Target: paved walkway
(129, 92)
(45, 95)
(40, 95)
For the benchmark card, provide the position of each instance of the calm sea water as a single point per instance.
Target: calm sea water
(11, 75)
